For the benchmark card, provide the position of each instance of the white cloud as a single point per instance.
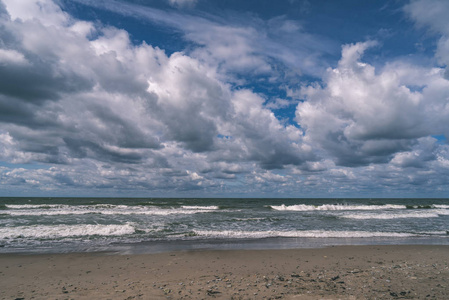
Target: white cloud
(96, 112)
(240, 43)
(433, 14)
(99, 103)
(362, 115)
(46, 11)
(279, 103)
(12, 57)
(263, 177)
(429, 13)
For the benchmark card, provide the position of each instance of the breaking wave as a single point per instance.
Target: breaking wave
(387, 216)
(61, 231)
(104, 209)
(304, 207)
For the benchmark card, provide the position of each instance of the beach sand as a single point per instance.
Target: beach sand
(343, 272)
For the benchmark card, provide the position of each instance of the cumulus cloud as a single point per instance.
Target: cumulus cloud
(362, 115)
(82, 107)
(91, 99)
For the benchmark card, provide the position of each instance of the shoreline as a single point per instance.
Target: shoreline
(270, 243)
(335, 272)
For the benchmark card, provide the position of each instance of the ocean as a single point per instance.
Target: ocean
(146, 225)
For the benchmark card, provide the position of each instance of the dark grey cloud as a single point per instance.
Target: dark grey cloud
(29, 76)
(83, 149)
(13, 110)
(43, 81)
(353, 153)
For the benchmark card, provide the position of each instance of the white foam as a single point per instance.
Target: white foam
(213, 207)
(299, 234)
(435, 233)
(45, 212)
(60, 231)
(443, 212)
(102, 209)
(30, 206)
(387, 216)
(304, 207)
(155, 211)
(442, 206)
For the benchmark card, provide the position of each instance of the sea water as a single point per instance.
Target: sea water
(154, 225)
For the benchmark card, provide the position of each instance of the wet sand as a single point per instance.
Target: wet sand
(343, 272)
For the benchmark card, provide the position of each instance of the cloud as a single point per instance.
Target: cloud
(422, 152)
(433, 14)
(12, 57)
(247, 45)
(261, 48)
(264, 138)
(83, 108)
(429, 13)
(183, 3)
(48, 13)
(92, 99)
(362, 115)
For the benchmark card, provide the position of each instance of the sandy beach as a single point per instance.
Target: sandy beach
(346, 272)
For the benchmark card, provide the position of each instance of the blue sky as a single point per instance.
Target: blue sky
(198, 98)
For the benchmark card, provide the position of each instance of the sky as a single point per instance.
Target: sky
(224, 98)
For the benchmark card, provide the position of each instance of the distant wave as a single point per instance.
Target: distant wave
(31, 206)
(53, 206)
(104, 209)
(213, 207)
(304, 207)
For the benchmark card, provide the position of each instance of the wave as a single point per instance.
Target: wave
(304, 207)
(213, 207)
(299, 234)
(31, 206)
(103, 209)
(62, 231)
(441, 206)
(66, 206)
(387, 216)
